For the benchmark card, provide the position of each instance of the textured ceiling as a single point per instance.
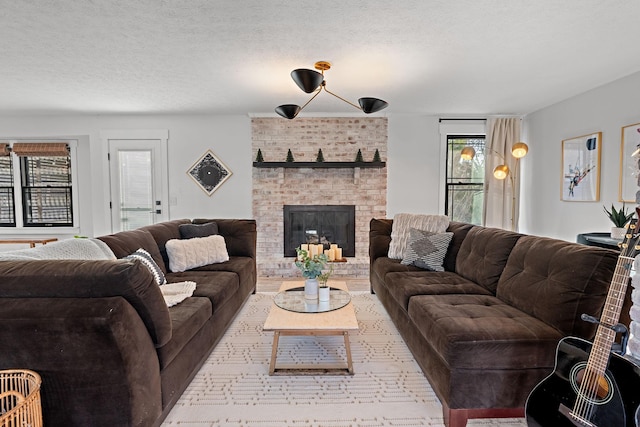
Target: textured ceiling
(462, 57)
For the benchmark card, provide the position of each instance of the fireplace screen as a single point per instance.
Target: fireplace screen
(317, 224)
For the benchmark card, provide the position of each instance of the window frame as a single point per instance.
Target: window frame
(17, 163)
(464, 127)
(448, 180)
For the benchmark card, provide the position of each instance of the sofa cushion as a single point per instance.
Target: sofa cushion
(189, 231)
(483, 332)
(190, 253)
(187, 318)
(483, 255)
(403, 222)
(426, 249)
(544, 274)
(91, 279)
(459, 230)
(239, 235)
(162, 232)
(127, 242)
(403, 286)
(219, 287)
(383, 266)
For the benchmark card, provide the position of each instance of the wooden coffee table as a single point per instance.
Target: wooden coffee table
(286, 323)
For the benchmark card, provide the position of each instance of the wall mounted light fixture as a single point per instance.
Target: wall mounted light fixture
(311, 81)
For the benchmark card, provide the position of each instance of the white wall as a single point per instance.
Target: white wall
(604, 109)
(190, 136)
(413, 162)
(413, 174)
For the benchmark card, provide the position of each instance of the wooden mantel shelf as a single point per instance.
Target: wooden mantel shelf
(327, 165)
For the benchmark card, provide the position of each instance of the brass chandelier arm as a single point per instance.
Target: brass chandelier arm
(312, 98)
(340, 98)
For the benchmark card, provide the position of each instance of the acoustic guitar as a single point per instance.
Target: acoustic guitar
(591, 386)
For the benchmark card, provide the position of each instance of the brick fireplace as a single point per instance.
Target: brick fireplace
(274, 187)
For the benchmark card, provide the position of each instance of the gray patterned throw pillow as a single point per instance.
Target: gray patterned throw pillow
(426, 249)
(147, 260)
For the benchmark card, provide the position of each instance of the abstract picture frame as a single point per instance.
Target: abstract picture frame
(629, 165)
(580, 181)
(209, 172)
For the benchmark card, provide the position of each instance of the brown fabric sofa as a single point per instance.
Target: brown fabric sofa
(100, 334)
(485, 330)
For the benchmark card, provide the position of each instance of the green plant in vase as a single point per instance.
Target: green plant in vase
(324, 277)
(311, 267)
(619, 218)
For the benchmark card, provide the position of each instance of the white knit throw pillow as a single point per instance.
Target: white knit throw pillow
(191, 253)
(403, 222)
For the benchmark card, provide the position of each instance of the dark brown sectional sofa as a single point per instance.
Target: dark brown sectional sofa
(485, 330)
(100, 334)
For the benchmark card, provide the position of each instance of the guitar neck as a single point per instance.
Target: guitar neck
(605, 335)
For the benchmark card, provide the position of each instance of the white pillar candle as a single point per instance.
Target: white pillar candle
(312, 251)
(332, 254)
(326, 253)
(320, 249)
(334, 246)
(339, 254)
(304, 247)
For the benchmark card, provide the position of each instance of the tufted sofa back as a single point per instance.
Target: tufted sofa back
(483, 255)
(543, 274)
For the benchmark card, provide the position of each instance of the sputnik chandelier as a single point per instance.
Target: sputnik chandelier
(313, 81)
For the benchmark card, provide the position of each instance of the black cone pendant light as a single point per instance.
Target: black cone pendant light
(311, 81)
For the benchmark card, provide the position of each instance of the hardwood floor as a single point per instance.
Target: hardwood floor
(272, 284)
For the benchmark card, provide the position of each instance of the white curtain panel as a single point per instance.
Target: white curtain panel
(501, 195)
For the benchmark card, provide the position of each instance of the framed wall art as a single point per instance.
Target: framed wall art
(629, 165)
(209, 172)
(581, 168)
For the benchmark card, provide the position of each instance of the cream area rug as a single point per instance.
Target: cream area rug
(234, 388)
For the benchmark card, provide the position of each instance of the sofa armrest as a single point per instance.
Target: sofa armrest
(379, 238)
(97, 361)
(90, 279)
(240, 235)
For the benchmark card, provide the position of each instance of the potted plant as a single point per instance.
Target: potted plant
(323, 291)
(311, 268)
(620, 218)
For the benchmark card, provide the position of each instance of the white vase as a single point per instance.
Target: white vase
(618, 233)
(323, 294)
(311, 289)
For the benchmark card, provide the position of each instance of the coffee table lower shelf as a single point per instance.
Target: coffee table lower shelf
(310, 369)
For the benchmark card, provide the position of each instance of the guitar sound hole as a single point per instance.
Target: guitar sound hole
(601, 384)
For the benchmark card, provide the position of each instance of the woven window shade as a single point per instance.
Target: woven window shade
(40, 149)
(4, 150)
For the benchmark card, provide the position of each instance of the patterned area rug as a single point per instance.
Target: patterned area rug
(234, 389)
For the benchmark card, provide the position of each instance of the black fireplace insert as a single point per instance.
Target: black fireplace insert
(320, 224)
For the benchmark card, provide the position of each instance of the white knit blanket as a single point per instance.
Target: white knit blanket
(175, 293)
(76, 248)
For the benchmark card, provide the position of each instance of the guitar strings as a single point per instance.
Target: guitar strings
(597, 363)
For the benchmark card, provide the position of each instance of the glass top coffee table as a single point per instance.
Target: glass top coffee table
(338, 321)
(293, 300)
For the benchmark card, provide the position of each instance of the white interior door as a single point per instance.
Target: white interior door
(138, 196)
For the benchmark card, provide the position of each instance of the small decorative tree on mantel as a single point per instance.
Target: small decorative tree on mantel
(259, 157)
(289, 156)
(376, 156)
(359, 158)
(320, 157)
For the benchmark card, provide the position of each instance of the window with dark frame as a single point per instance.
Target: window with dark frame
(7, 202)
(464, 195)
(46, 191)
(36, 188)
